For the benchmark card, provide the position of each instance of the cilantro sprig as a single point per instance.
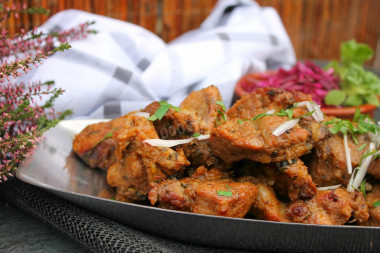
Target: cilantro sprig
(364, 125)
(283, 113)
(376, 204)
(162, 110)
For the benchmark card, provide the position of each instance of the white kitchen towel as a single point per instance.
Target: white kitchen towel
(125, 67)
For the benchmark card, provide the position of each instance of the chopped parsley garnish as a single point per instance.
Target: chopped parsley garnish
(196, 135)
(288, 112)
(283, 113)
(364, 125)
(376, 204)
(258, 116)
(162, 110)
(221, 104)
(362, 146)
(362, 188)
(227, 186)
(365, 155)
(225, 193)
(108, 135)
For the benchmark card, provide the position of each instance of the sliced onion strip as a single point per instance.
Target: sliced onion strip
(348, 155)
(172, 143)
(331, 187)
(142, 114)
(270, 111)
(285, 127)
(357, 178)
(311, 106)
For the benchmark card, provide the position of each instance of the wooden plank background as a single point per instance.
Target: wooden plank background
(316, 27)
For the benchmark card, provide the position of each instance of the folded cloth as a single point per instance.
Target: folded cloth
(125, 67)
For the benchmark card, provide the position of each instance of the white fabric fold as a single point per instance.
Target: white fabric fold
(125, 67)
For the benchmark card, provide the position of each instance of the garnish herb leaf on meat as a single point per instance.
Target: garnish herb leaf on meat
(162, 110)
(221, 104)
(225, 193)
(376, 204)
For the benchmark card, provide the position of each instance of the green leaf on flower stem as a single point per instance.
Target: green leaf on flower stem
(335, 97)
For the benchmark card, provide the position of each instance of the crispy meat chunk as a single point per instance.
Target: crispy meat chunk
(374, 212)
(266, 206)
(221, 197)
(95, 146)
(374, 169)
(234, 141)
(330, 207)
(199, 114)
(263, 100)
(138, 163)
(300, 184)
(328, 164)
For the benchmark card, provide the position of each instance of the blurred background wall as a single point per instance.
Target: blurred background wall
(316, 27)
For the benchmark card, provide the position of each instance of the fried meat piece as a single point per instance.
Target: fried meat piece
(374, 169)
(329, 207)
(94, 145)
(374, 212)
(138, 163)
(234, 141)
(263, 100)
(328, 164)
(222, 197)
(300, 184)
(266, 205)
(199, 114)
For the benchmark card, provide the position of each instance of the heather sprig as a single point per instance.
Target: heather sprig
(23, 117)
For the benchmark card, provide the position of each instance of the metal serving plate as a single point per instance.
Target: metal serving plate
(55, 168)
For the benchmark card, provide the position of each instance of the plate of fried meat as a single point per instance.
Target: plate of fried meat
(270, 173)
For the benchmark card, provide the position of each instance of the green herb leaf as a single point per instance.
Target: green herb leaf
(365, 155)
(225, 193)
(335, 97)
(222, 105)
(162, 110)
(260, 116)
(223, 115)
(376, 204)
(362, 187)
(353, 52)
(227, 186)
(196, 135)
(288, 112)
(362, 146)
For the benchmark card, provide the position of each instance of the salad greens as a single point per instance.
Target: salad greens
(357, 85)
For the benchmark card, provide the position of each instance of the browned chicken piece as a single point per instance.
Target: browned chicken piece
(300, 184)
(138, 163)
(329, 207)
(209, 174)
(199, 153)
(221, 197)
(266, 206)
(254, 140)
(328, 164)
(95, 146)
(199, 114)
(263, 100)
(374, 212)
(374, 169)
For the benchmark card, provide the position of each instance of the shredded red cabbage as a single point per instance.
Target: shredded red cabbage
(306, 77)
